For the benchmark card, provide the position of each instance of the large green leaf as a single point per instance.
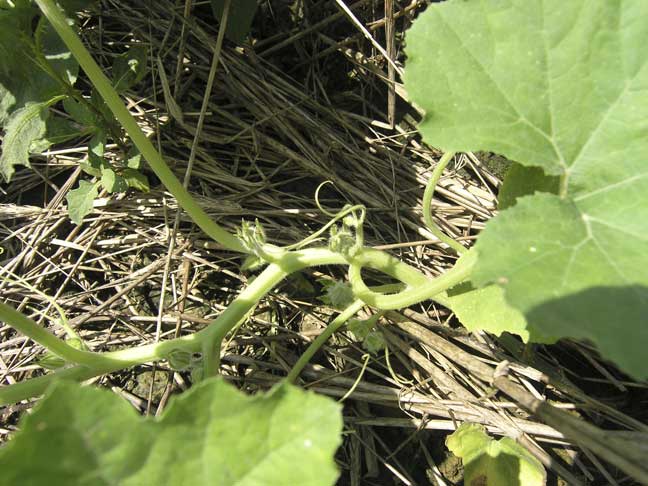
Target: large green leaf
(489, 462)
(562, 86)
(486, 309)
(210, 435)
(16, 70)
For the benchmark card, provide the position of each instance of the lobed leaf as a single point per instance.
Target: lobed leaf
(566, 90)
(210, 435)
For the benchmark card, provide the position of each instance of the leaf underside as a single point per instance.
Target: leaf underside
(210, 435)
(566, 90)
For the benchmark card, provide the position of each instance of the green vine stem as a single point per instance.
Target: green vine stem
(283, 263)
(427, 204)
(419, 286)
(95, 364)
(331, 329)
(319, 341)
(144, 145)
(32, 330)
(208, 340)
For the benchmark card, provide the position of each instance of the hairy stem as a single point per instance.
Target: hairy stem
(35, 332)
(419, 286)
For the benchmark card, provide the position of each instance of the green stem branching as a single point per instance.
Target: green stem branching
(282, 264)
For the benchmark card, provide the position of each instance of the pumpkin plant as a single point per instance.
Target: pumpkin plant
(563, 94)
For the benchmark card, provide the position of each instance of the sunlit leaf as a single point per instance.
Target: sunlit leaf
(210, 435)
(80, 200)
(565, 90)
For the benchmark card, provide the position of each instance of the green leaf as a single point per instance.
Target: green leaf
(56, 52)
(549, 258)
(239, 19)
(210, 435)
(133, 159)
(565, 90)
(136, 180)
(96, 162)
(522, 181)
(80, 200)
(112, 181)
(80, 112)
(361, 327)
(57, 130)
(23, 50)
(16, 75)
(486, 309)
(129, 68)
(489, 462)
(374, 342)
(23, 127)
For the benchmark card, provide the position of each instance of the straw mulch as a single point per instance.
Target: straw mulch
(310, 101)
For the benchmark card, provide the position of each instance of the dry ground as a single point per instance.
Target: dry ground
(310, 100)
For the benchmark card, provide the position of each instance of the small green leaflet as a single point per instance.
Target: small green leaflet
(210, 435)
(25, 126)
(80, 200)
(338, 294)
(374, 342)
(239, 19)
(489, 462)
(112, 181)
(136, 180)
(566, 90)
(129, 68)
